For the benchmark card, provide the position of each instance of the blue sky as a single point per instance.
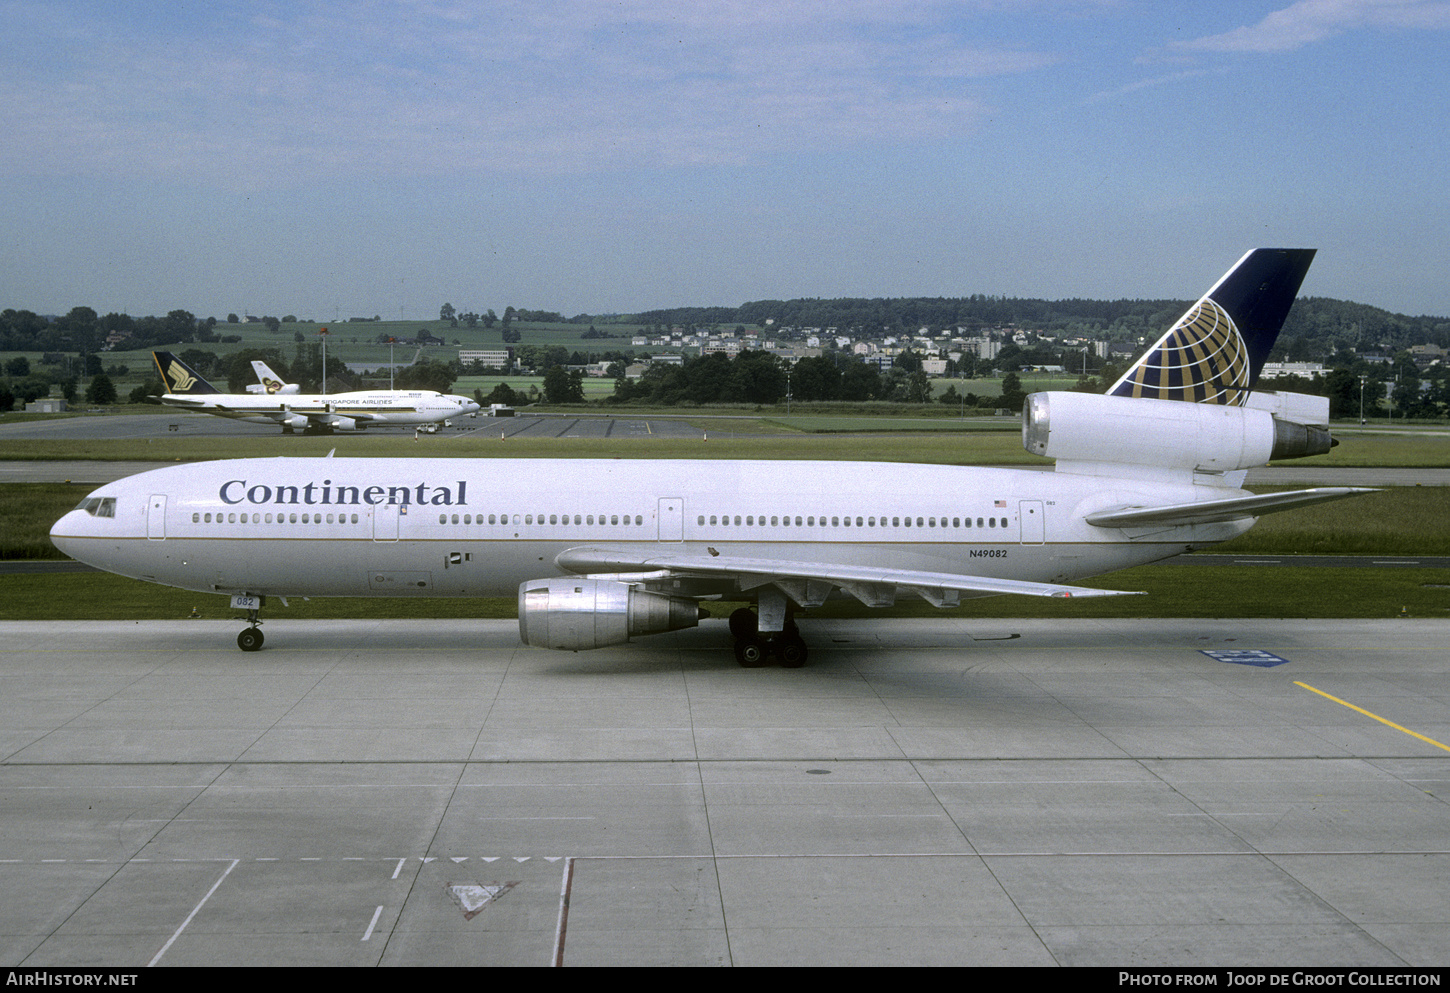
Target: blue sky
(351, 159)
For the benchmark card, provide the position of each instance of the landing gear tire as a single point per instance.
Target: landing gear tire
(792, 652)
(750, 653)
(250, 640)
(744, 623)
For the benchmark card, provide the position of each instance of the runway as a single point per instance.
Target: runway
(937, 792)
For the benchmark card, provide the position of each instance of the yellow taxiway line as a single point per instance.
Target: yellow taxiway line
(1366, 713)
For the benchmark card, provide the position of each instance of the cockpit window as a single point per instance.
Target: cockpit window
(98, 506)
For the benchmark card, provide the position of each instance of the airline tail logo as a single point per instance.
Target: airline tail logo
(1216, 350)
(177, 377)
(1202, 359)
(180, 380)
(272, 385)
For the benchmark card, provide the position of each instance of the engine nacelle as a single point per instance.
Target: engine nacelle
(573, 614)
(340, 423)
(1172, 434)
(295, 422)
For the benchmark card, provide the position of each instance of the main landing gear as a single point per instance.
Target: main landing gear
(753, 648)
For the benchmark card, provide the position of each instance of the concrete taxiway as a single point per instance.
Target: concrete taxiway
(187, 424)
(949, 791)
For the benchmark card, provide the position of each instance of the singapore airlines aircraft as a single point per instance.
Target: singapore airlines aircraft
(309, 412)
(269, 382)
(602, 551)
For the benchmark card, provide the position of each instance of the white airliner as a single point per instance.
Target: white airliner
(269, 382)
(601, 551)
(309, 412)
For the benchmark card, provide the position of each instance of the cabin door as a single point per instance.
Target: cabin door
(671, 519)
(156, 516)
(1034, 529)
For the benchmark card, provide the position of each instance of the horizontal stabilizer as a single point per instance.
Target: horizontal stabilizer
(1213, 511)
(757, 572)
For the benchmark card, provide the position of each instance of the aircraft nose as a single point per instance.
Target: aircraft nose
(60, 534)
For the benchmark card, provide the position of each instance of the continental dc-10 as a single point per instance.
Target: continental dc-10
(602, 551)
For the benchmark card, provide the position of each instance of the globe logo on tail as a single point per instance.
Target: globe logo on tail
(1202, 359)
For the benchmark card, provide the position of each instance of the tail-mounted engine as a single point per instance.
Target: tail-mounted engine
(1173, 434)
(574, 614)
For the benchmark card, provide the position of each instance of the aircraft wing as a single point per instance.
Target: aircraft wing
(1212, 511)
(263, 407)
(328, 417)
(808, 583)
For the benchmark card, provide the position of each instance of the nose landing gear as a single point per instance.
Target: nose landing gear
(250, 640)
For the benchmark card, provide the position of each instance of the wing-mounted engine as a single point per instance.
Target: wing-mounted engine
(574, 614)
(1087, 428)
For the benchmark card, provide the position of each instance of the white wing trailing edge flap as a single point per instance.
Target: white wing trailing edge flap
(809, 583)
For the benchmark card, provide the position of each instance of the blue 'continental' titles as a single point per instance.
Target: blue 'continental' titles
(327, 493)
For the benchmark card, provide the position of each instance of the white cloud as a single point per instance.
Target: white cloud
(1310, 21)
(244, 99)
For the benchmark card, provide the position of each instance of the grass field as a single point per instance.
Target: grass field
(747, 434)
(1395, 521)
(1173, 591)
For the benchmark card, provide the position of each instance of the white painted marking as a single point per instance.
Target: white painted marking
(399, 868)
(564, 890)
(194, 911)
(373, 923)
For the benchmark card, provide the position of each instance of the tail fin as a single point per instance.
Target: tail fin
(1215, 352)
(271, 382)
(179, 377)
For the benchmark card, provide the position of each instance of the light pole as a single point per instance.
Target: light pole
(1361, 399)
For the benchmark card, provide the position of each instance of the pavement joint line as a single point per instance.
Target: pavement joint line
(552, 859)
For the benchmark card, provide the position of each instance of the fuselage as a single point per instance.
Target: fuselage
(480, 527)
(368, 407)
